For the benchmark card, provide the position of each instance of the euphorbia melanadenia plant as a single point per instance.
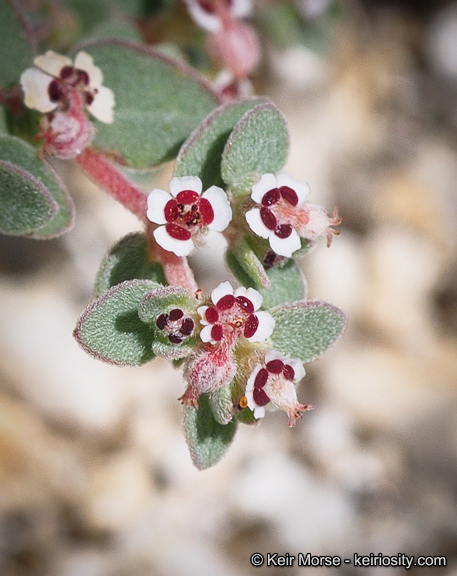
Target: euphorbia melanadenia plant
(112, 104)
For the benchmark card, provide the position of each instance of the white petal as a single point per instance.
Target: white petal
(204, 19)
(103, 104)
(167, 242)
(157, 200)
(298, 367)
(264, 185)
(256, 224)
(205, 334)
(255, 297)
(265, 328)
(178, 184)
(302, 189)
(52, 63)
(220, 291)
(35, 85)
(84, 61)
(285, 246)
(275, 355)
(201, 310)
(259, 412)
(221, 208)
(241, 8)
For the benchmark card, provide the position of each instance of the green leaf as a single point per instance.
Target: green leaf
(159, 102)
(248, 269)
(201, 154)
(24, 156)
(221, 404)
(15, 46)
(25, 204)
(305, 329)
(110, 329)
(116, 28)
(3, 124)
(258, 144)
(207, 439)
(90, 12)
(127, 260)
(286, 283)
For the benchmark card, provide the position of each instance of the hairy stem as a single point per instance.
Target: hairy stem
(106, 175)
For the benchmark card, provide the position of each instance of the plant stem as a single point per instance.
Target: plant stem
(106, 175)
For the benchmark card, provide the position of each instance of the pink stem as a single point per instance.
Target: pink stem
(176, 269)
(105, 174)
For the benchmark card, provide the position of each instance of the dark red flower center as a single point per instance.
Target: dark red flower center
(270, 210)
(175, 325)
(235, 314)
(186, 212)
(70, 78)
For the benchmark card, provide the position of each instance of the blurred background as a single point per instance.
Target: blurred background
(95, 476)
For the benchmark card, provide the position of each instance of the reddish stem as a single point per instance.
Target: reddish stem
(105, 174)
(176, 269)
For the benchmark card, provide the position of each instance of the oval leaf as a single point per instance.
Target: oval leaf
(127, 260)
(15, 42)
(24, 156)
(305, 329)
(25, 204)
(207, 439)
(159, 102)
(201, 154)
(259, 143)
(110, 329)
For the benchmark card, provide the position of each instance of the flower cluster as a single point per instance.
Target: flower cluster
(230, 329)
(62, 90)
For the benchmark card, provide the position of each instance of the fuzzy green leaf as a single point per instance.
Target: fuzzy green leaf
(127, 260)
(221, 404)
(159, 102)
(116, 28)
(286, 283)
(24, 156)
(248, 269)
(25, 204)
(201, 154)
(15, 47)
(259, 143)
(207, 439)
(110, 329)
(305, 329)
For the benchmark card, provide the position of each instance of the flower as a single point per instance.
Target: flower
(213, 14)
(175, 325)
(233, 315)
(185, 214)
(284, 215)
(273, 382)
(49, 85)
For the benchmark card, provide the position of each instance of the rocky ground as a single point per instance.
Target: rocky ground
(94, 472)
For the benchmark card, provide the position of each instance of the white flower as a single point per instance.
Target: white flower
(233, 315)
(185, 214)
(54, 78)
(273, 382)
(210, 14)
(284, 216)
